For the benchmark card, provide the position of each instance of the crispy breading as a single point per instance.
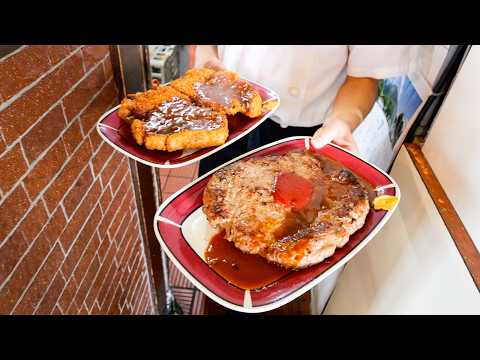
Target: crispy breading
(185, 84)
(138, 131)
(138, 106)
(226, 92)
(185, 139)
(178, 124)
(198, 139)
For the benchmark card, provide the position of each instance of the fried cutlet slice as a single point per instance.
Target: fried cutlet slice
(226, 92)
(185, 84)
(141, 103)
(178, 124)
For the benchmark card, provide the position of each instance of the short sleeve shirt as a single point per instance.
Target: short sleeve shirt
(308, 77)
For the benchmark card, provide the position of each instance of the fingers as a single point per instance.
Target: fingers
(324, 135)
(337, 133)
(214, 65)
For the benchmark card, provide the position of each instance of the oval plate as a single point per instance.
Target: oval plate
(117, 134)
(185, 242)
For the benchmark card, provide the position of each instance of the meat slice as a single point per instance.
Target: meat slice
(243, 200)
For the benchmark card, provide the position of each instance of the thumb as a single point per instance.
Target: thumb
(323, 136)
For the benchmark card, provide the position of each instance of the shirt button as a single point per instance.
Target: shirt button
(294, 91)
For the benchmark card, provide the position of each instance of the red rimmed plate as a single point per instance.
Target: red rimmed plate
(116, 133)
(184, 233)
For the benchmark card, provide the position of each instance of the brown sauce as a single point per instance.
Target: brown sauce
(243, 270)
(315, 205)
(222, 90)
(177, 115)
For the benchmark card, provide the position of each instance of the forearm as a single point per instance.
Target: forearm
(354, 100)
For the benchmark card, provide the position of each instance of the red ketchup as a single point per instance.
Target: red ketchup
(293, 190)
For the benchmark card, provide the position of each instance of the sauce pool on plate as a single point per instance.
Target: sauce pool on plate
(243, 270)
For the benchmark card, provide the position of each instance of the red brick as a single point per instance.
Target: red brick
(136, 279)
(50, 298)
(102, 250)
(107, 68)
(83, 93)
(45, 169)
(128, 284)
(34, 221)
(95, 310)
(111, 292)
(73, 309)
(55, 225)
(142, 309)
(137, 293)
(67, 295)
(56, 311)
(80, 217)
(140, 296)
(102, 102)
(96, 140)
(22, 69)
(105, 273)
(79, 246)
(12, 209)
(92, 54)
(43, 134)
(115, 204)
(13, 166)
(108, 171)
(101, 158)
(106, 199)
(129, 246)
(119, 174)
(115, 306)
(77, 192)
(42, 280)
(68, 175)
(3, 146)
(125, 236)
(57, 53)
(121, 213)
(72, 137)
(107, 283)
(10, 253)
(87, 280)
(83, 310)
(39, 99)
(22, 275)
(86, 259)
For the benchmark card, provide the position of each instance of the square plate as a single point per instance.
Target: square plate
(116, 133)
(185, 245)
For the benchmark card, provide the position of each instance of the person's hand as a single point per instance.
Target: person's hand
(215, 64)
(337, 131)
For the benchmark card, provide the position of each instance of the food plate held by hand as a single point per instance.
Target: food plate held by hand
(260, 246)
(187, 120)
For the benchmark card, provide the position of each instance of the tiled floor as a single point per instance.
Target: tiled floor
(174, 179)
(187, 296)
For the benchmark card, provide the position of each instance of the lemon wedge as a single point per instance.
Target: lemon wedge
(385, 202)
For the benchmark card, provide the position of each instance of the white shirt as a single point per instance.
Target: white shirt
(308, 77)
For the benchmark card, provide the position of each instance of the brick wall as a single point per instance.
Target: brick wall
(69, 231)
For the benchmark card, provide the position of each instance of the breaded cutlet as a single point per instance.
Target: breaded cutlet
(185, 84)
(226, 92)
(141, 103)
(178, 124)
